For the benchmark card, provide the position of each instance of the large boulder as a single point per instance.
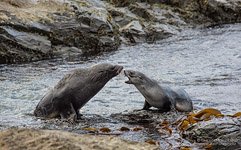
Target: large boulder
(225, 11)
(31, 139)
(143, 22)
(209, 11)
(222, 133)
(147, 116)
(207, 128)
(34, 30)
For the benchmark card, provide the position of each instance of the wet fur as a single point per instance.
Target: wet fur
(74, 91)
(163, 98)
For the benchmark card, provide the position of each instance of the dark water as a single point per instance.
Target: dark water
(206, 63)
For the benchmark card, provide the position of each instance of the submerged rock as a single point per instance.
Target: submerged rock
(30, 139)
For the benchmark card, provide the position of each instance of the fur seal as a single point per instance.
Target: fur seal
(163, 98)
(74, 91)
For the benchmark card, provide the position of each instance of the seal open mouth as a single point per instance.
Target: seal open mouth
(128, 75)
(118, 69)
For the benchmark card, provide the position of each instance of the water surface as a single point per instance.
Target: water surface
(206, 63)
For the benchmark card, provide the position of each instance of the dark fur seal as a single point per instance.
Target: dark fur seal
(163, 98)
(74, 91)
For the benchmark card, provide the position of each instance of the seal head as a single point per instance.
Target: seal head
(136, 78)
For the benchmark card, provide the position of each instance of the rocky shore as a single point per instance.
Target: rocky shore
(202, 130)
(32, 30)
(220, 133)
(31, 139)
(207, 129)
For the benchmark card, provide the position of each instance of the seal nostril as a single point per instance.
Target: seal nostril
(125, 73)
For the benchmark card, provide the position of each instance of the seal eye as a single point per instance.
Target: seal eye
(112, 68)
(131, 74)
(140, 77)
(101, 71)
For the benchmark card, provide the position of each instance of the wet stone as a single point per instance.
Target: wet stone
(147, 116)
(221, 133)
(20, 138)
(80, 28)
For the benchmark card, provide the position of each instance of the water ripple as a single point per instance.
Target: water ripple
(206, 63)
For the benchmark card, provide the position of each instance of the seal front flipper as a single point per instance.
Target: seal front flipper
(79, 115)
(183, 105)
(183, 102)
(167, 105)
(68, 114)
(146, 106)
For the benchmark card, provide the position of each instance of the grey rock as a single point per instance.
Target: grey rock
(29, 139)
(17, 45)
(209, 12)
(221, 133)
(147, 116)
(30, 36)
(225, 11)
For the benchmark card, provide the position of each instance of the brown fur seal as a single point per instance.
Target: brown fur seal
(74, 91)
(158, 96)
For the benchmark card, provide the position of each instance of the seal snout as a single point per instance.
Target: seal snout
(128, 74)
(39, 112)
(118, 69)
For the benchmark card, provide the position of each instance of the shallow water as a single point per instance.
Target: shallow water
(206, 63)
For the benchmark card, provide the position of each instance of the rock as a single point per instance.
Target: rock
(124, 3)
(134, 32)
(142, 10)
(26, 35)
(209, 12)
(222, 11)
(18, 46)
(221, 133)
(95, 19)
(121, 3)
(147, 116)
(141, 22)
(30, 139)
(155, 25)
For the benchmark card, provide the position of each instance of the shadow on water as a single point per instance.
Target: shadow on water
(206, 63)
